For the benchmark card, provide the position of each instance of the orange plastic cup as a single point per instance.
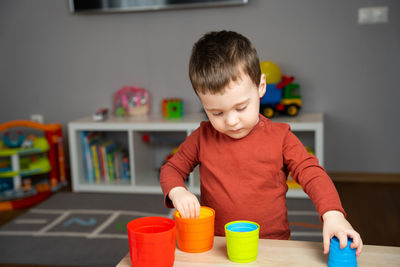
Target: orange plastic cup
(152, 242)
(195, 235)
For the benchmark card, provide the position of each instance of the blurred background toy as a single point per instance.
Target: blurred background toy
(131, 101)
(161, 139)
(100, 114)
(167, 145)
(282, 94)
(30, 167)
(13, 143)
(172, 108)
(29, 141)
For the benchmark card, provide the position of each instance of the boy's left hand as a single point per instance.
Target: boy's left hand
(336, 225)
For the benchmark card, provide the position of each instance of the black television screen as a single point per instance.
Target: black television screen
(144, 5)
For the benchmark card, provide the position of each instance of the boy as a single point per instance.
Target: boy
(243, 157)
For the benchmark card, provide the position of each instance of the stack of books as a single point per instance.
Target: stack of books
(104, 161)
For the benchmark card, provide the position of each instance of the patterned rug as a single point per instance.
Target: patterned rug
(89, 229)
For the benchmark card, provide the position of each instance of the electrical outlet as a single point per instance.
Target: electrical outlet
(37, 118)
(373, 15)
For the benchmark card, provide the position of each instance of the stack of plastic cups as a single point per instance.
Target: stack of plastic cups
(152, 242)
(242, 241)
(195, 235)
(345, 257)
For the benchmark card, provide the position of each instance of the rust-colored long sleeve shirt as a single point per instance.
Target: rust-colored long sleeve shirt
(245, 179)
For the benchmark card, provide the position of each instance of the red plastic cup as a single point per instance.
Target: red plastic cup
(152, 242)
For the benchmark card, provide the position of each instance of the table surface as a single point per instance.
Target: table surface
(281, 253)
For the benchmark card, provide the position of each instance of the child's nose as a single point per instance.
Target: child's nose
(232, 119)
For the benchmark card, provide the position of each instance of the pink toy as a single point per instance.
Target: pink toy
(131, 101)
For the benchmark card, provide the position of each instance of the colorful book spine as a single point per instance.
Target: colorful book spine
(101, 163)
(116, 167)
(111, 170)
(96, 163)
(87, 158)
(106, 169)
(126, 167)
(109, 148)
(121, 165)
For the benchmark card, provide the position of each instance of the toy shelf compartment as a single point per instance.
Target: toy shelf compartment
(151, 150)
(25, 161)
(149, 140)
(101, 159)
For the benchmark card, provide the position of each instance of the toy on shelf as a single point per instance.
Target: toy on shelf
(13, 143)
(154, 138)
(282, 94)
(172, 108)
(131, 101)
(170, 144)
(100, 114)
(30, 167)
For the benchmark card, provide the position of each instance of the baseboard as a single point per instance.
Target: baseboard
(358, 177)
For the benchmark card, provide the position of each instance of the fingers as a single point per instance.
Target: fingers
(359, 249)
(188, 205)
(183, 210)
(192, 207)
(197, 210)
(189, 211)
(177, 195)
(327, 242)
(357, 242)
(192, 210)
(336, 225)
(342, 239)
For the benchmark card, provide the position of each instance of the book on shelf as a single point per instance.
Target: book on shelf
(102, 167)
(96, 163)
(107, 149)
(110, 165)
(121, 169)
(104, 161)
(88, 139)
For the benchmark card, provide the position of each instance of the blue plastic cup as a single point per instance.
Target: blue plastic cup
(345, 257)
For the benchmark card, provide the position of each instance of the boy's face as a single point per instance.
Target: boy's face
(236, 111)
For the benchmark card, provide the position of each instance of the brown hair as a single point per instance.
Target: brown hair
(219, 58)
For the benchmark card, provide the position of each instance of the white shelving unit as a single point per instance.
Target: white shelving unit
(143, 157)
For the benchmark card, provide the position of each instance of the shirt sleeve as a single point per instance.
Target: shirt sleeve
(177, 169)
(313, 178)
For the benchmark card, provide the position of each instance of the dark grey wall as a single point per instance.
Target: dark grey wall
(66, 66)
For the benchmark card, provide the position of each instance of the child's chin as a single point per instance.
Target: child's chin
(237, 135)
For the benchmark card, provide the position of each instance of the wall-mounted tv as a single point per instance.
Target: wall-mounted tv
(77, 6)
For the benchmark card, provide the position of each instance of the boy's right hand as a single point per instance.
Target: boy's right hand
(185, 202)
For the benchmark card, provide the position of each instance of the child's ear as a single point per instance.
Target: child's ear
(262, 87)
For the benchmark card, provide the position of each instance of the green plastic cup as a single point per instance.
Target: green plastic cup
(242, 240)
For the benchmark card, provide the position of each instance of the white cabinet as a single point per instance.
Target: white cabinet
(145, 157)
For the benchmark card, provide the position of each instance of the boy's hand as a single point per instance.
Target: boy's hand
(185, 202)
(336, 225)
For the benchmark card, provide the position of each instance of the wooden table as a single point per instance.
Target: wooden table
(281, 253)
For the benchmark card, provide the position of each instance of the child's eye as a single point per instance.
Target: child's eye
(217, 114)
(241, 108)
